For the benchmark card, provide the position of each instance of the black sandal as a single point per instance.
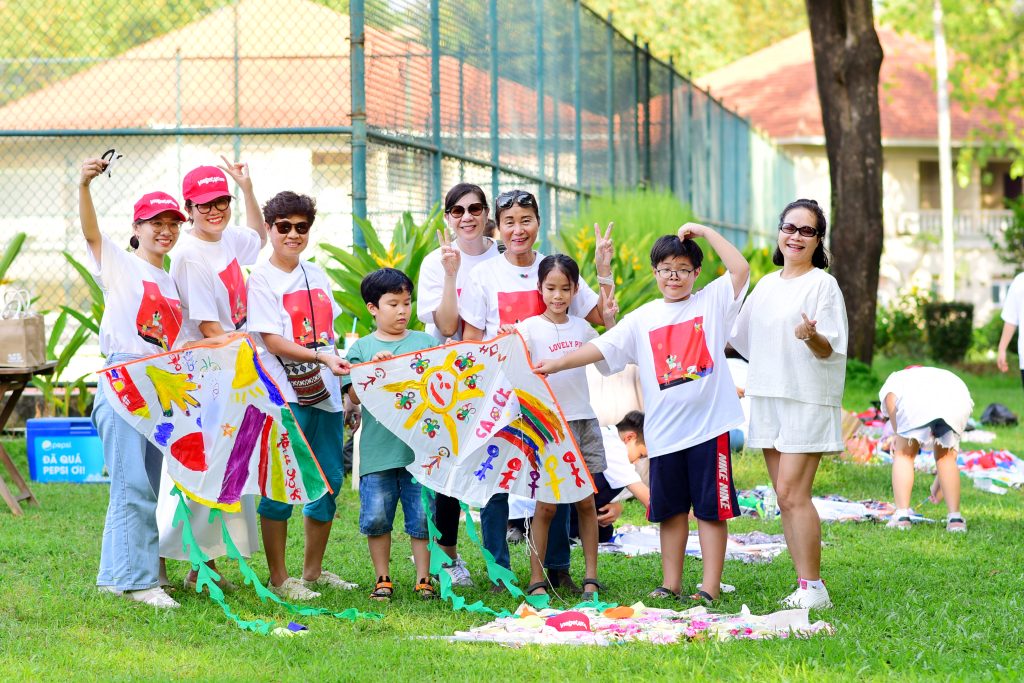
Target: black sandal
(383, 590)
(536, 585)
(662, 593)
(590, 596)
(703, 597)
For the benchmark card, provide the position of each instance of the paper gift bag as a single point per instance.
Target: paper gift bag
(22, 335)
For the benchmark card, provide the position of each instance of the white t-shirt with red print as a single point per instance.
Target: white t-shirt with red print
(210, 281)
(545, 340)
(142, 313)
(431, 284)
(500, 293)
(689, 395)
(279, 303)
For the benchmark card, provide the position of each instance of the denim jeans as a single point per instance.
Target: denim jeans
(379, 495)
(494, 524)
(129, 556)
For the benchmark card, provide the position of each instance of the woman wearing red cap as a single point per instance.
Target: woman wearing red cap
(142, 317)
(207, 270)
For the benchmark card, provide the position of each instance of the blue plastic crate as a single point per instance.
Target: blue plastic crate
(65, 450)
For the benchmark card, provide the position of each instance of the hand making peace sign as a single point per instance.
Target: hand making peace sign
(604, 250)
(451, 257)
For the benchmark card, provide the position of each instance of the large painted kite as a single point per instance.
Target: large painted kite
(479, 421)
(221, 423)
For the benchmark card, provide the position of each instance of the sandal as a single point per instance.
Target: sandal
(590, 595)
(537, 585)
(662, 593)
(425, 590)
(703, 597)
(383, 590)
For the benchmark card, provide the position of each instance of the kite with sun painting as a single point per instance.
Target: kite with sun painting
(479, 421)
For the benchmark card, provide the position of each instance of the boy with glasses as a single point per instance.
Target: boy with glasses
(678, 343)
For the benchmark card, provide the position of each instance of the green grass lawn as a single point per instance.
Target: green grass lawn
(921, 604)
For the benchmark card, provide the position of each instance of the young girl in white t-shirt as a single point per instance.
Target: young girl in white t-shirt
(142, 317)
(553, 334)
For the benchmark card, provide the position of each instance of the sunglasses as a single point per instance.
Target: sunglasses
(474, 209)
(220, 203)
(804, 230)
(285, 227)
(506, 199)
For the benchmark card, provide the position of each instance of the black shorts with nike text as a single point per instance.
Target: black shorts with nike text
(698, 477)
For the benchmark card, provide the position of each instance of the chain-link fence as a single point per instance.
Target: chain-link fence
(374, 107)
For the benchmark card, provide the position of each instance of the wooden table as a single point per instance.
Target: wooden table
(12, 383)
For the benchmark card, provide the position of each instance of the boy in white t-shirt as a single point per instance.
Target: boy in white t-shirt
(690, 400)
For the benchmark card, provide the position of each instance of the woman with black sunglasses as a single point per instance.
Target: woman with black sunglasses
(505, 292)
(793, 330)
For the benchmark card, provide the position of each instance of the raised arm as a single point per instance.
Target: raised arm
(732, 259)
(86, 211)
(253, 214)
(446, 315)
(585, 355)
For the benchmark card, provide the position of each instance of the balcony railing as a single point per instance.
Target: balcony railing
(975, 223)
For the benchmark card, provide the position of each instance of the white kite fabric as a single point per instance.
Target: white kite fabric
(222, 424)
(478, 420)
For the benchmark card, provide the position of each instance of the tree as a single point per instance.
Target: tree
(847, 61)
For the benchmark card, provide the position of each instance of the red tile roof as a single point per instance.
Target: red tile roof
(776, 89)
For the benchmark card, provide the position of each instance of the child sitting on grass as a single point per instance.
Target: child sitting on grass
(383, 479)
(690, 400)
(928, 408)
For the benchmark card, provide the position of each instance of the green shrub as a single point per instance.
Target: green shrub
(861, 377)
(950, 327)
(899, 325)
(985, 339)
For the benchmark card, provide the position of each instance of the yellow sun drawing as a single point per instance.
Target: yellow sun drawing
(441, 388)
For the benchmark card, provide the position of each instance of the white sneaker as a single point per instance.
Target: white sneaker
(292, 589)
(458, 572)
(108, 589)
(331, 580)
(806, 597)
(154, 597)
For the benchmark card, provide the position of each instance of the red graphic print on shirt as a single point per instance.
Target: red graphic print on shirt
(515, 307)
(235, 284)
(159, 318)
(297, 306)
(681, 353)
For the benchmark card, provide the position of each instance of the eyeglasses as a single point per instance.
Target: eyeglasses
(474, 209)
(173, 226)
(804, 230)
(520, 197)
(285, 227)
(220, 203)
(681, 273)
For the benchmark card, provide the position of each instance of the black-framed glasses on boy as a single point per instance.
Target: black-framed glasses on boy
(804, 230)
(474, 209)
(520, 197)
(220, 203)
(285, 227)
(667, 273)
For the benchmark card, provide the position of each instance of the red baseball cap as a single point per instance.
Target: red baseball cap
(204, 184)
(154, 204)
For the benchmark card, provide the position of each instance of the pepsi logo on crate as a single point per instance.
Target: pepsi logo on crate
(65, 450)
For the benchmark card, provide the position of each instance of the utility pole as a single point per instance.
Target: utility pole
(945, 155)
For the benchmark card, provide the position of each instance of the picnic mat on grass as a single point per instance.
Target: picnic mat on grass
(754, 547)
(831, 507)
(638, 623)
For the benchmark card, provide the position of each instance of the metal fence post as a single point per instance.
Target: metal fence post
(672, 125)
(577, 103)
(610, 104)
(462, 108)
(545, 218)
(435, 100)
(637, 159)
(357, 14)
(495, 133)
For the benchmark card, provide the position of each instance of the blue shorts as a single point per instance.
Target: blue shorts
(379, 493)
(699, 477)
(325, 435)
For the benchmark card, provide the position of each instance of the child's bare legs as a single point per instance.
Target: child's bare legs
(903, 453)
(275, 537)
(714, 535)
(421, 556)
(948, 477)
(193, 575)
(380, 553)
(317, 534)
(587, 512)
(792, 476)
(675, 531)
(539, 528)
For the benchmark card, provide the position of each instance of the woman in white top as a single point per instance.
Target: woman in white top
(793, 330)
(443, 275)
(142, 317)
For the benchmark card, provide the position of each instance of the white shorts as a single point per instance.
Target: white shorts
(791, 426)
(926, 439)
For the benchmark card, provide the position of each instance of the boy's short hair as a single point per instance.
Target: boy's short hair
(670, 246)
(633, 421)
(384, 281)
(288, 203)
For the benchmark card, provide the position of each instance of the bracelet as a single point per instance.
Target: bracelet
(316, 355)
(606, 280)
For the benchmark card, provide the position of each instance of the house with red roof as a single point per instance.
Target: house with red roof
(776, 89)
